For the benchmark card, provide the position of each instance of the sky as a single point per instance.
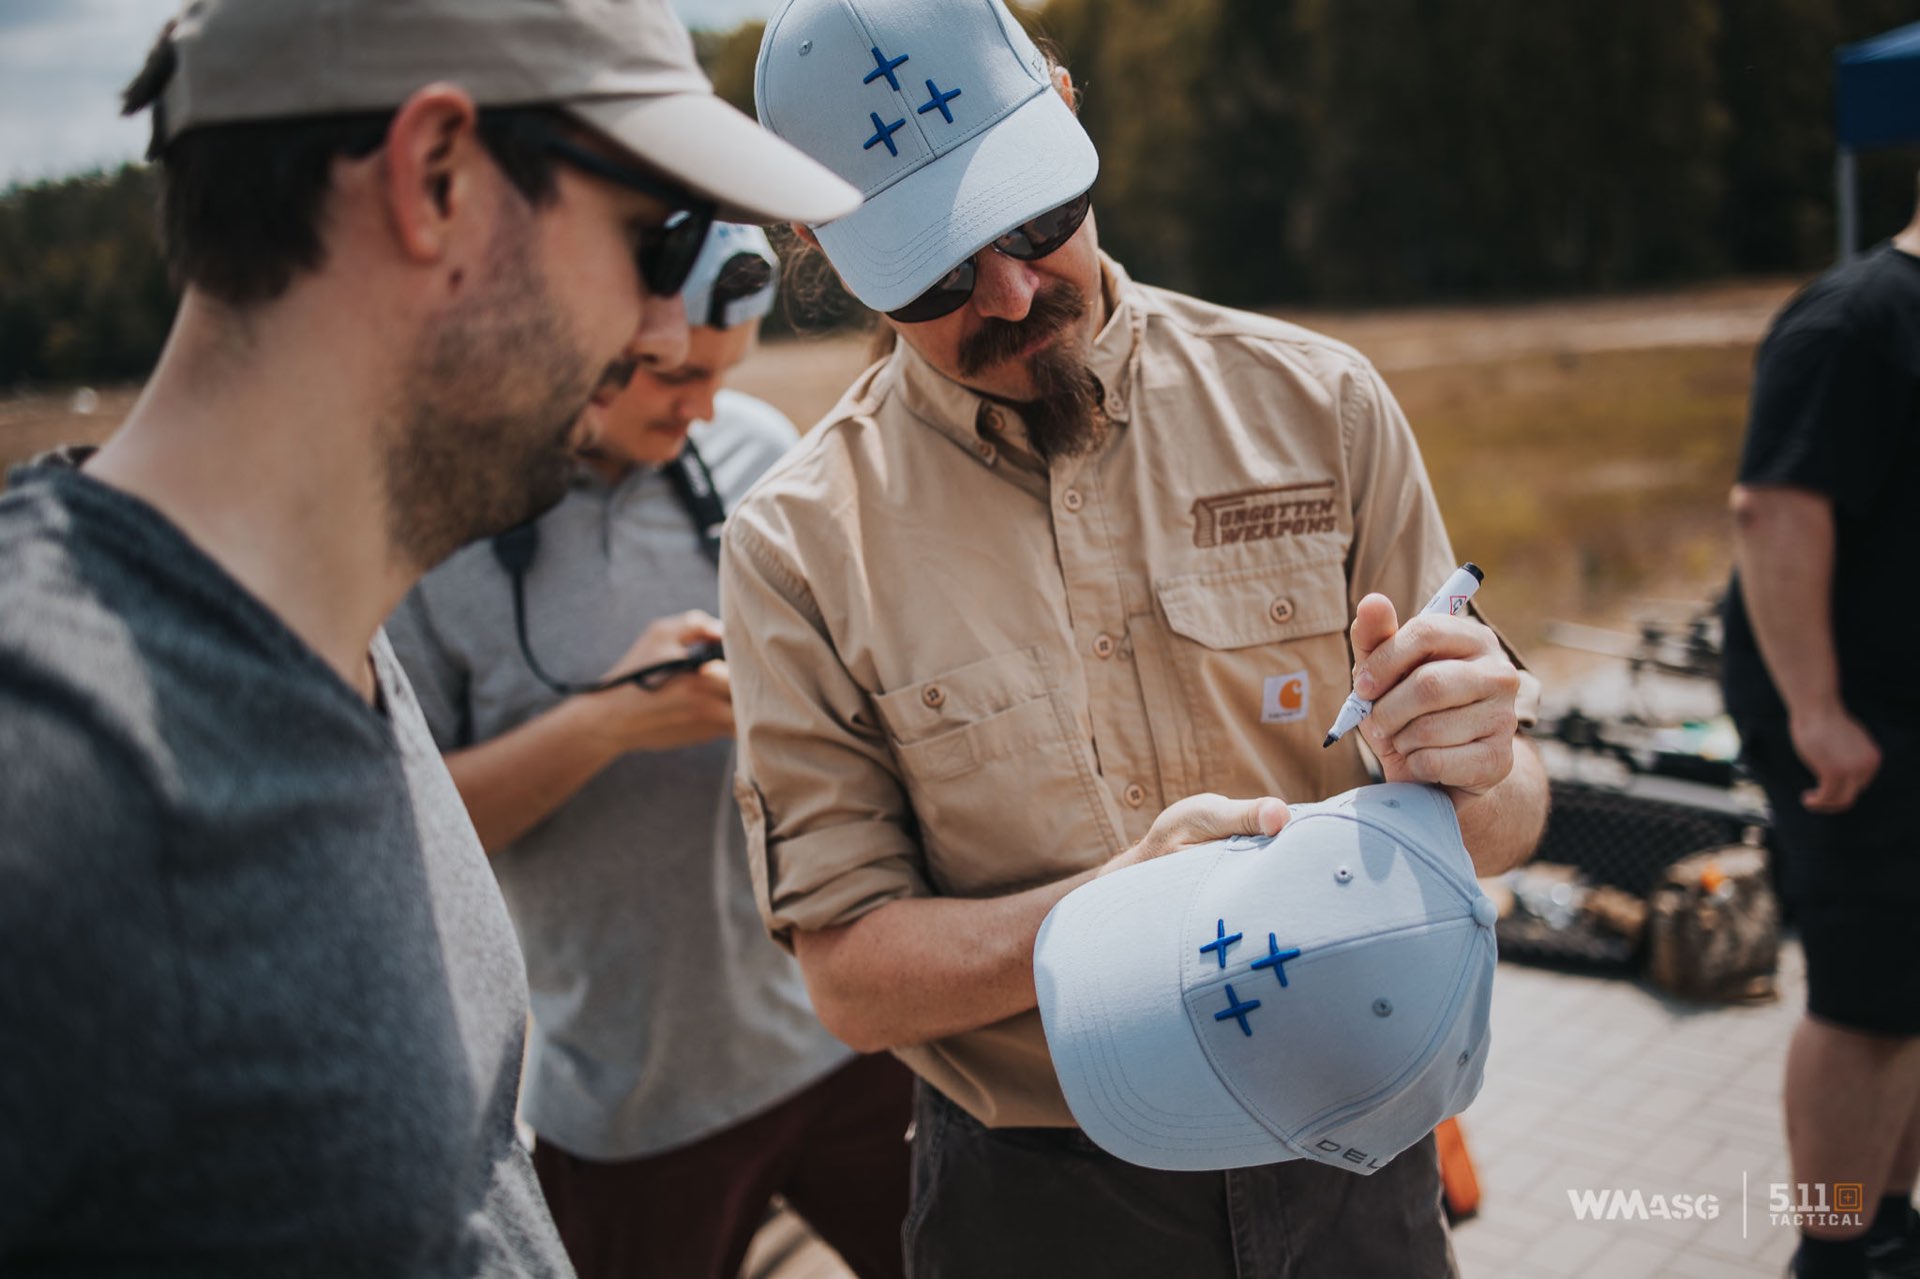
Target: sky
(63, 63)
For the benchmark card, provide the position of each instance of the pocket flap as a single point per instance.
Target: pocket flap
(1237, 608)
(965, 695)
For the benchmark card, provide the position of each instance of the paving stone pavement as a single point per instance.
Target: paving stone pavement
(1597, 1084)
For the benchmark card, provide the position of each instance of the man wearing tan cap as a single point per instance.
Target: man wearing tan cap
(264, 1010)
(1078, 553)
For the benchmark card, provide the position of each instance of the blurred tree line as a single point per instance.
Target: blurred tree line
(1269, 151)
(1265, 151)
(83, 291)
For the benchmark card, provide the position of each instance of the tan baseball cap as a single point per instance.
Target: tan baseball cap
(626, 67)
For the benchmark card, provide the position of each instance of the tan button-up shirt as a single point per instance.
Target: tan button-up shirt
(957, 671)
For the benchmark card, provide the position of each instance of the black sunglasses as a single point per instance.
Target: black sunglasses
(1029, 242)
(666, 253)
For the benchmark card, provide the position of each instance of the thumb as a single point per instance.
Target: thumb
(1199, 818)
(1374, 623)
(697, 627)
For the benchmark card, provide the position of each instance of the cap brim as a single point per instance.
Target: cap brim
(906, 236)
(718, 152)
(1133, 1073)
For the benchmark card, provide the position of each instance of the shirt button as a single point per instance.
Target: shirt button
(1281, 610)
(986, 451)
(1135, 795)
(990, 420)
(1072, 500)
(933, 695)
(1103, 646)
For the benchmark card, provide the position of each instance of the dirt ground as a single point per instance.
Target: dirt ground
(1583, 446)
(805, 376)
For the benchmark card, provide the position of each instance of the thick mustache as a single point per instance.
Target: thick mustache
(1052, 309)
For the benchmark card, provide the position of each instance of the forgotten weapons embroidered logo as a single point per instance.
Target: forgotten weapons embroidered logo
(1259, 515)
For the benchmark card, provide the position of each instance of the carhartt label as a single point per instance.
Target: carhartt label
(1284, 699)
(1258, 515)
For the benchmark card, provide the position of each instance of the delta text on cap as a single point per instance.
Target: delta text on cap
(941, 113)
(625, 67)
(1321, 995)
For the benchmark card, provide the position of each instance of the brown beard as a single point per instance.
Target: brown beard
(1063, 419)
(479, 441)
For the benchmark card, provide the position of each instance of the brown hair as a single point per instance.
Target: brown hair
(240, 205)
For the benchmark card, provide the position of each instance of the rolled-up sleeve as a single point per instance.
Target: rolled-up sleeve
(830, 834)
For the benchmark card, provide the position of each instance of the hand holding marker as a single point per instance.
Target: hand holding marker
(1450, 599)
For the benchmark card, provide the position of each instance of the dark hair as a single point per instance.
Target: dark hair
(241, 204)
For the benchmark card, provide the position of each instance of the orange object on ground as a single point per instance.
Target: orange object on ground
(1457, 1177)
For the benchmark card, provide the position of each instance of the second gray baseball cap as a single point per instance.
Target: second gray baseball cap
(626, 67)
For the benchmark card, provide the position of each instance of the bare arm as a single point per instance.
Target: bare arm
(513, 782)
(1783, 544)
(923, 968)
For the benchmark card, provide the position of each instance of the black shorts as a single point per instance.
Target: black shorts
(1852, 879)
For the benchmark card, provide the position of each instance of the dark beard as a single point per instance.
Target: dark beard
(486, 415)
(1063, 420)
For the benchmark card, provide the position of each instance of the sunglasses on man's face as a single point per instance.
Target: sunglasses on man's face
(665, 254)
(1029, 242)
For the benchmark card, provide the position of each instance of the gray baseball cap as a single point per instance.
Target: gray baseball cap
(941, 113)
(1324, 994)
(625, 67)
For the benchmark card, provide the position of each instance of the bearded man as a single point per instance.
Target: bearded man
(1077, 549)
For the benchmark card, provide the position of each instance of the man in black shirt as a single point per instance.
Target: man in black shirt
(1820, 674)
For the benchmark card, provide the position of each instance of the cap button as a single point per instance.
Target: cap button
(1485, 912)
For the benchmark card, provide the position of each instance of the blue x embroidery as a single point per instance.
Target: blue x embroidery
(1276, 958)
(1220, 943)
(1238, 1011)
(882, 133)
(940, 101)
(882, 67)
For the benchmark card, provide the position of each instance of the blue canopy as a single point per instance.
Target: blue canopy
(1876, 103)
(1876, 90)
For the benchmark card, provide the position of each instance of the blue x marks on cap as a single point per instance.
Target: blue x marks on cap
(882, 131)
(1276, 959)
(1238, 1011)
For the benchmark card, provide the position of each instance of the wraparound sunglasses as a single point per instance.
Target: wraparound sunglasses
(1029, 242)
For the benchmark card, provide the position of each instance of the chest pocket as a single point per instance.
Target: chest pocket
(1002, 784)
(1243, 670)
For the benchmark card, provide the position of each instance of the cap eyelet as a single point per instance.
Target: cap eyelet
(1383, 1008)
(1465, 1057)
(1343, 875)
(806, 47)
